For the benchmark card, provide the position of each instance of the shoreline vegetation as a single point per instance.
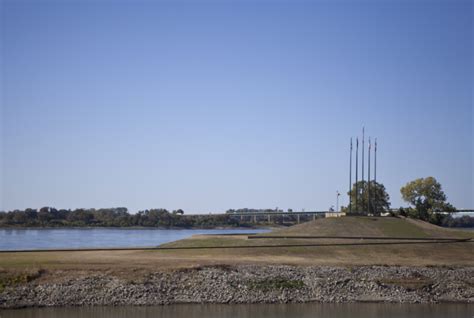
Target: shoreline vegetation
(48, 217)
(279, 267)
(115, 217)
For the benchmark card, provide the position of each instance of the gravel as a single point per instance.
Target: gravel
(251, 284)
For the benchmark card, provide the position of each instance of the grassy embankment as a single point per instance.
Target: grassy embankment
(336, 252)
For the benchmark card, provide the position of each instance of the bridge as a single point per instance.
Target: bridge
(267, 215)
(254, 216)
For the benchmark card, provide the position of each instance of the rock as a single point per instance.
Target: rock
(252, 284)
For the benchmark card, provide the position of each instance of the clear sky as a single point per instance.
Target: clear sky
(207, 106)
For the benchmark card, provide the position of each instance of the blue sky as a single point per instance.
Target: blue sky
(210, 105)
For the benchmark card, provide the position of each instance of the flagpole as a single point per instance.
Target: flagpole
(375, 161)
(368, 182)
(357, 176)
(363, 151)
(375, 175)
(350, 179)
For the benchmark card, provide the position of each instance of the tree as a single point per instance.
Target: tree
(427, 196)
(81, 216)
(31, 214)
(379, 198)
(43, 215)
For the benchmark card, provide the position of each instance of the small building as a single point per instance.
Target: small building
(334, 214)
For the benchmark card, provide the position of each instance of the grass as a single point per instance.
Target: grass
(393, 227)
(205, 240)
(17, 278)
(370, 226)
(276, 284)
(409, 283)
(450, 254)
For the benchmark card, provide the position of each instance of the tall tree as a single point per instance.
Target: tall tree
(379, 198)
(427, 196)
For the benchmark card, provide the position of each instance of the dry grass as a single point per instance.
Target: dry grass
(123, 261)
(410, 284)
(371, 226)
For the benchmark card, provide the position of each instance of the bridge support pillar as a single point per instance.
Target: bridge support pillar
(241, 218)
(269, 218)
(298, 218)
(255, 218)
(314, 217)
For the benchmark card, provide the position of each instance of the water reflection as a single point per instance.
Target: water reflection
(254, 311)
(30, 239)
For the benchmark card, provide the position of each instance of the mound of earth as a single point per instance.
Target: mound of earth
(362, 226)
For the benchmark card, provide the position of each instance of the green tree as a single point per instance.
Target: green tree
(43, 215)
(379, 198)
(427, 196)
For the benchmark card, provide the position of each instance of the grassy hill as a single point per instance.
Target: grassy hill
(371, 226)
(348, 251)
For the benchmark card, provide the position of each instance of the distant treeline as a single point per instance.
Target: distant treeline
(114, 217)
(463, 221)
(441, 219)
(120, 217)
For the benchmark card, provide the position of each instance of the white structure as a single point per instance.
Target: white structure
(334, 214)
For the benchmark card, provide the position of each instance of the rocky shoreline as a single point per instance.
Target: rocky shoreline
(249, 284)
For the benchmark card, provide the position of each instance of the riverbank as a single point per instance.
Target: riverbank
(334, 260)
(242, 284)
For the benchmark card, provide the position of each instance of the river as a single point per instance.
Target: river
(59, 238)
(313, 310)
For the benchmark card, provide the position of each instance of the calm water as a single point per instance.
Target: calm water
(30, 239)
(254, 311)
